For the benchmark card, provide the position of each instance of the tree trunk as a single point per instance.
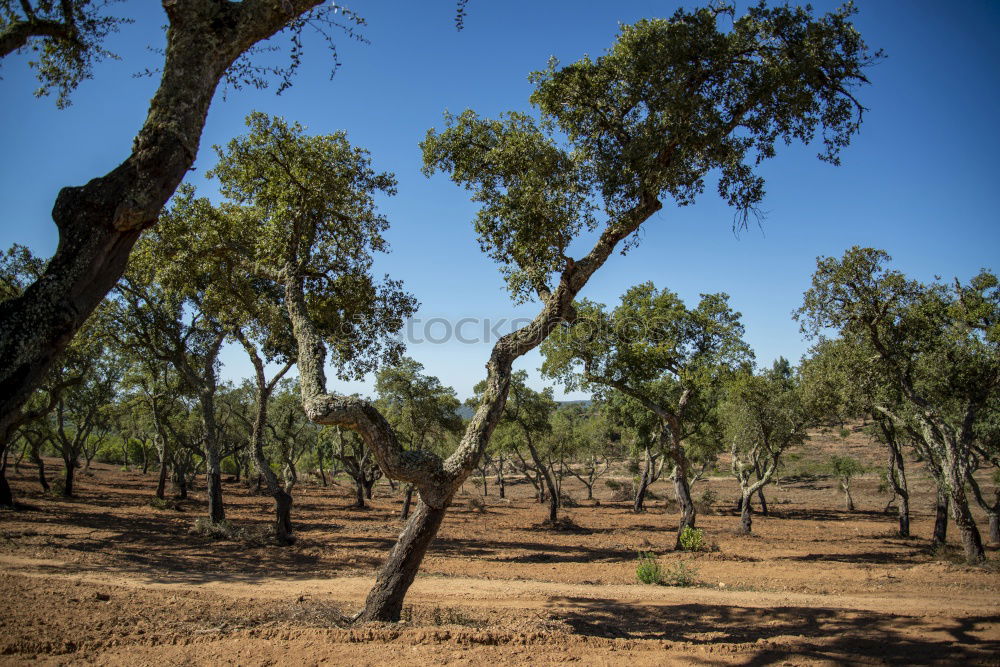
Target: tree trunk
(994, 520)
(44, 483)
(501, 485)
(359, 495)
(213, 479)
(904, 516)
(283, 518)
(941, 518)
(68, 480)
(385, 600)
(746, 521)
(848, 499)
(6, 495)
(100, 222)
(763, 501)
(404, 514)
(182, 487)
(639, 505)
(161, 482)
(543, 470)
(760, 491)
(683, 491)
(972, 542)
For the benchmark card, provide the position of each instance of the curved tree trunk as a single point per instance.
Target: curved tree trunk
(100, 222)
(385, 600)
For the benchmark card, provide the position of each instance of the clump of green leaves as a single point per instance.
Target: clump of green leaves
(680, 574)
(692, 539)
(649, 571)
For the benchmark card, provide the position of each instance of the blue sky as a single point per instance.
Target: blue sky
(921, 180)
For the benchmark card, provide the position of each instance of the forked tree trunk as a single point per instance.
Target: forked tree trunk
(648, 472)
(385, 600)
(940, 537)
(546, 476)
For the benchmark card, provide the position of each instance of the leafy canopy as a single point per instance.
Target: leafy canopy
(670, 101)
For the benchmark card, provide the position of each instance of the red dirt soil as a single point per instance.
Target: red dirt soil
(105, 578)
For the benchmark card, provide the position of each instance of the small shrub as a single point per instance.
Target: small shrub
(709, 497)
(165, 504)
(622, 491)
(648, 571)
(57, 487)
(845, 433)
(224, 530)
(477, 504)
(566, 500)
(692, 539)
(680, 574)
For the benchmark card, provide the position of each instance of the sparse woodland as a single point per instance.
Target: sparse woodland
(111, 349)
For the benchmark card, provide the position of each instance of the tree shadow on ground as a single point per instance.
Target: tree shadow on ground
(814, 633)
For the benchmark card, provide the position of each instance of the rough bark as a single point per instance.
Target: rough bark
(385, 600)
(100, 222)
(638, 505)
(746, 520)
(282, 497)
(436, 480)
(404, 513)
(940, 537)
(994, 520)
(70, 469)
(546, 475)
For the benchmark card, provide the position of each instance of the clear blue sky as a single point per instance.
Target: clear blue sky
(920, 181)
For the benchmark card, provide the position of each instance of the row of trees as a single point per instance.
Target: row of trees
(284, 263)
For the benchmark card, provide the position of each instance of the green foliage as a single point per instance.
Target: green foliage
(693, 539)
(672, 100)
(649, 571)
(709, 497)
(65, 38)
(846, 467)
(680, 574)
(422, 411)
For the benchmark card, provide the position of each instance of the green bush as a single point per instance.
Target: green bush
(648, 571)
(680, 574)
(692, 539)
